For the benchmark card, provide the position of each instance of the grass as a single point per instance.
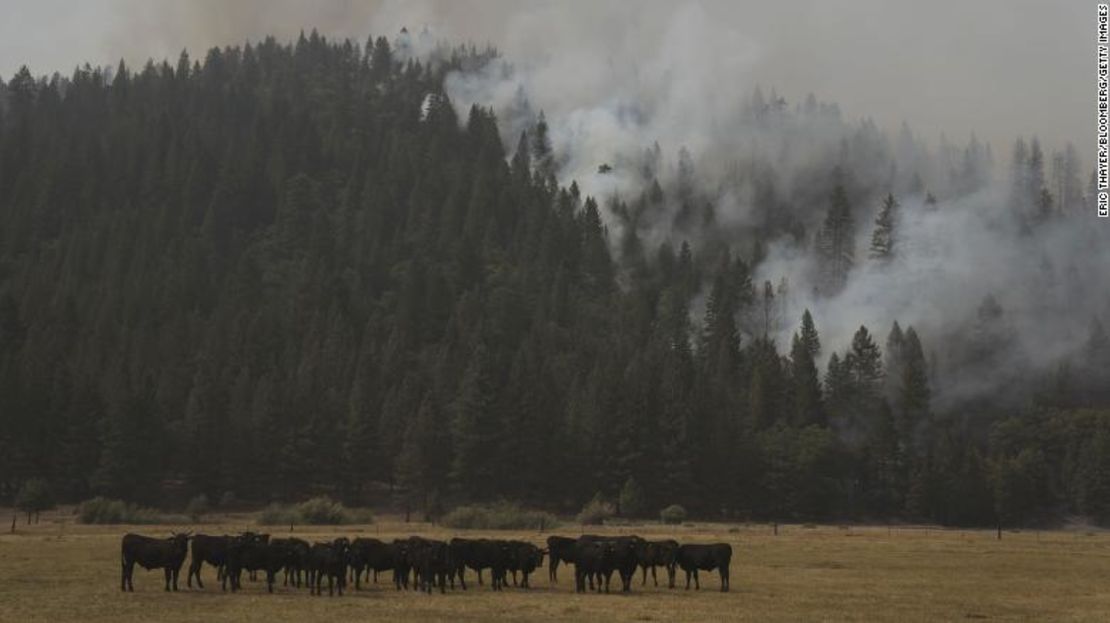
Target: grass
(62, 571)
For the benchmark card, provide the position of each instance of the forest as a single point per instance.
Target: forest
(294, 269)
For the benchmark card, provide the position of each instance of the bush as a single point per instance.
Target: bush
(318, 511)
(101, 510)
(197, 507)
(632, 498)
(322, 511)
(673, 514)
(277, 515)
(500, 516)
(596, 511)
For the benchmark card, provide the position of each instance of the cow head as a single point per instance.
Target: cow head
(181, 540)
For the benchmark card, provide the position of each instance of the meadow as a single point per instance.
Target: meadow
(58, 570)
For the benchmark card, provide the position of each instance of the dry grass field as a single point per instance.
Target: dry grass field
(61, 571)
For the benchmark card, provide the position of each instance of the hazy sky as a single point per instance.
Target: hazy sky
(1001, 68)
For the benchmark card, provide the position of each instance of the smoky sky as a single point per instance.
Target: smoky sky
(998, 68)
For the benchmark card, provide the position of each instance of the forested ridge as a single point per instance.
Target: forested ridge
(291, 269)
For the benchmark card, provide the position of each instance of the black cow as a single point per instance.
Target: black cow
(368, 555)
(479, 554)
(716, 556)
(166, 554)
(402, 563)
(560, 549)
(524, 557)
(207, 549)
(328, 560)
(253, 553)
(593, 559)
(296, 560)
(626, 555)
(432, 563)
(658, 554)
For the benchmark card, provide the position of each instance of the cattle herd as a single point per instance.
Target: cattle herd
(418, 563)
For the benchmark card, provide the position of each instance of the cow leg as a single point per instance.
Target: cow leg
(176, 574)
(124, 572)
(670, 576)
(552, 564)
(331, 585)
(166, 572)
(480, 576)
(724, 579)
(193, 570)
(687, 578)
(697, 584)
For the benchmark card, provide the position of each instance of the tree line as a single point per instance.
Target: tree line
(291, 269)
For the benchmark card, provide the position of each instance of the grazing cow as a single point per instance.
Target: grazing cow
(524, 557)
(166, 554)
(328, 560)
(593, 559)
(716, 556)
(658, 554)
(560, 549)
(296, 559)
(207, 549)
(370, 555)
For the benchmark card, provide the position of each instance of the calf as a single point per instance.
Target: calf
(716, 556)
(166, 554)
(560, 549)
(658, 554)
(207, 549)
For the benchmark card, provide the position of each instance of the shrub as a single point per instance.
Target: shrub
(318, 511)
(322, 511)
(596, 511)
(101, 510)
(632, 498)
(277, 515)
(673, 514)
(499, 516)
(197, 507)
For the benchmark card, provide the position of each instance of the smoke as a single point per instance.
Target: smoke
(615, 79)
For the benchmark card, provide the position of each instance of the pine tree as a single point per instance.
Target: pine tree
(914, 394)
(882, 238)
(475, 469)
(836, 241)
(806, 390)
